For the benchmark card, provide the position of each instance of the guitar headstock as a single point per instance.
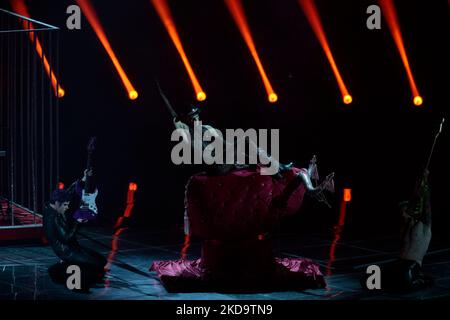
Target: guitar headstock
(92, 144)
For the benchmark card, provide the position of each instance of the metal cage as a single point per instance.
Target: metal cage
(29, 119)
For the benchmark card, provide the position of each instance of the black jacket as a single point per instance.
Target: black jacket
(61, 230)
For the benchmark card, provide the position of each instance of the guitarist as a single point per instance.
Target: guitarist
(86, 191)
(61, 227)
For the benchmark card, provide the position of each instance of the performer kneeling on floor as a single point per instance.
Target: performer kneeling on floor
(406, 274)
(61, 230)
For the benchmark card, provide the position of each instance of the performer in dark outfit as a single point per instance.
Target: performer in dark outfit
(406, 274)
(60, 229)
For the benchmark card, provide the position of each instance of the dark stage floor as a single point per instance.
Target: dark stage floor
(23, 268)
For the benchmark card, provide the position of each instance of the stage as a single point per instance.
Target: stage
(24, 276)
(22, 224)
(354, 89)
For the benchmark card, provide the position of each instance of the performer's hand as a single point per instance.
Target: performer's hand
(180, 125)
(88, 172)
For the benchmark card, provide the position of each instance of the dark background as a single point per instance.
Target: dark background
(377, 145)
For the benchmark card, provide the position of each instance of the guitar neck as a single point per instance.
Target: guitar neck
(89, 183)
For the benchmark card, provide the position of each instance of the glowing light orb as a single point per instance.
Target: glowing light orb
(201, 96)
(61, 93)
(273, 97)
(133, 95)
(132, 186)
(348, 99)
(418, 100)
(347, 195)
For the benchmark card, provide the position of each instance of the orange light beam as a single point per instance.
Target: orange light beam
(186, 245)
(347, 195)
(114, 248)
(390, 14)
(132, 187)
(129, 205)
(163, 10)
(90, 14)
(313, 17)
(20, 7)
(237, 11)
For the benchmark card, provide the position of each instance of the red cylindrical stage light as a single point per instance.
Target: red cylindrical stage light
(347, 195)
(132, 186)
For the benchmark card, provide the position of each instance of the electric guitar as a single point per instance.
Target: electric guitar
(88, 207)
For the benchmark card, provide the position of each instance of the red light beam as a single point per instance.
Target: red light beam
(390, 14)
(91, 16)
(237, 11)
(313, 17)
(338, 228)
(20, 7)
(163, 10)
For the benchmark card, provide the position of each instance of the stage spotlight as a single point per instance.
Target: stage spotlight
(312, 15)
(61, 93)
(418, 100)
(91, 16)
(273, 97)
(348, 99)
(132, 186)
(60, 185)
(20, 7)
(347, 195)
(133, 95)
(390, 14)
(163, 10)
(201, 96)
(237, 12)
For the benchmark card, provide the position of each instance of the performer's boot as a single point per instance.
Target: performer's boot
(402, 276)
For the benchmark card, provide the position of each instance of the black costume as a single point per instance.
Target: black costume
(61, 231)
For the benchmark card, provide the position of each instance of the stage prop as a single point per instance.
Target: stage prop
(29, 123)
(234, 215)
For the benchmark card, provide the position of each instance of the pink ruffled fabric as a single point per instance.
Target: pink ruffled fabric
(288, 274)
(300, 265)
(178, 268)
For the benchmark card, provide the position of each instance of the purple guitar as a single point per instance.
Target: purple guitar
(88, 207)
